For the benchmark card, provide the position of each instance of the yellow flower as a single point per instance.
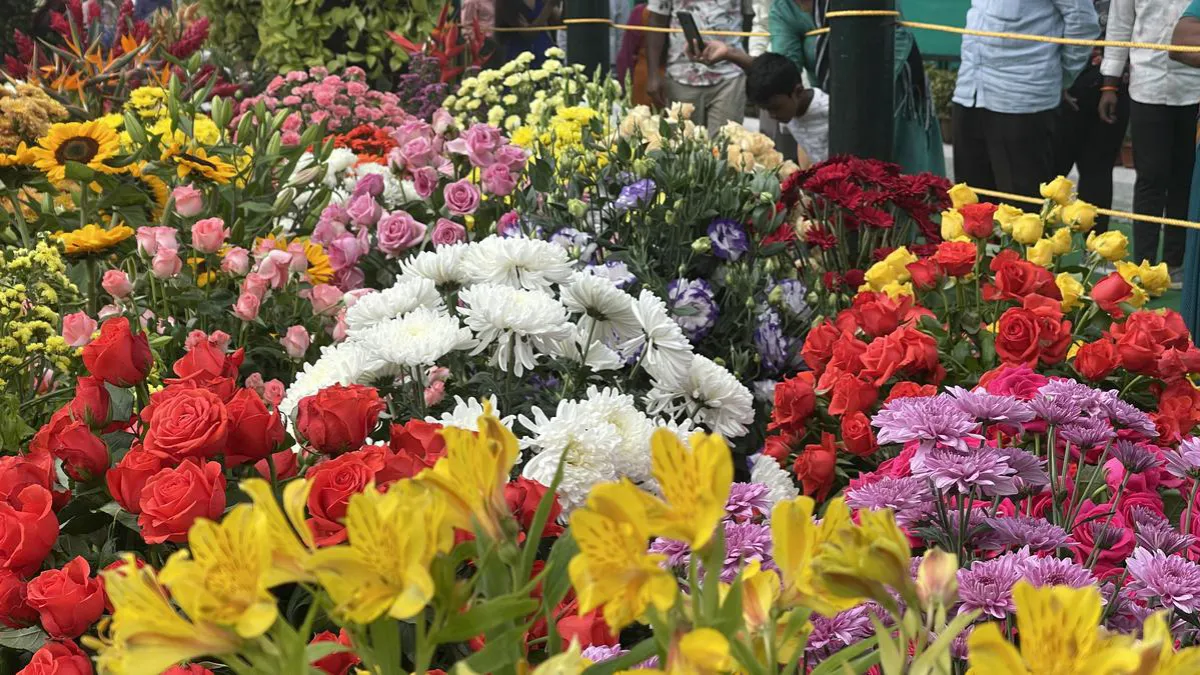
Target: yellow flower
(473, 472)
(796, 541)
(1060, 635)
(221, 576)
(320, 270)
(877, 276)
(1071, 290)
(147, 100)
(612, 568)
(695, 484)
(1156, 635)
(859, 562)
(1079, 215)
(1062, 241)
(1027, 229)
(88, 143)
(1006, 215)
(155, 186)
(115, 121)
(952, 226)
(291, 539)
(937, 579)
(699, 652)
(21, 156)
(896, 290)
(760, 591)
(962, 195)
(189, 158)
(899, 260)
(570, 662)
(146, 634)
(1112, 245)
(92, 238)
(1155, 279)
(1059, 190)
(524, 137)
(384, 569)
(1041, 253)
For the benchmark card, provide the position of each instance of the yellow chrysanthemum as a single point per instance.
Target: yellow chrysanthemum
(147, 101)
(88, 143)
(92, 238)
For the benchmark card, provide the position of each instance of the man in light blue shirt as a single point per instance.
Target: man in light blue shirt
(1008, 92)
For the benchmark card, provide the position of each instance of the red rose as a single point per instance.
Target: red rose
(338, 663)
(588, 629)
(190, 423)
(818, 345)
(1097, 360)
(847, 355)
(333, 482)
(59, 658)
(417, 445)
(68, 601)
(28, 529)
(882, 359)
(338, 419)
(910, 390)
(857, 434)
(978, 220)
(1019, 381)
(815, 467)
(848, 393)
(523, 496)
(1017, 337)
(254, 431)
(91, 402)
(1175, 363)
(18, 471)
(128, 478)
(206, 361)
(189, 669)
(84, 455)
(1014, 278)
(920, 351)
(955, 258)
(15, 611)
(1054, 334)
(779, 448)
(287, 465)
(176, 496)
(1110, 292)
(118, 355)
(1138, 350)
(877, 314)
(795, 401)
(925, 273)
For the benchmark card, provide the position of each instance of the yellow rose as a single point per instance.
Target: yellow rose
(1155, 278)
(1006, 215)
(1112, 245)
(1027, 229)
(899, 260)
(896, 290)
(877, 276)
(961, 195)
(1062, 241)
(1059, 190)
(1080, 215)
(952, 226)
(1041, 253)
(1071, 290)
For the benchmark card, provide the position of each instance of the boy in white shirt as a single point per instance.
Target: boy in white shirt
(773, 83)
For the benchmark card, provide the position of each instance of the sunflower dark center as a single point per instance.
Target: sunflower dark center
(78, 149)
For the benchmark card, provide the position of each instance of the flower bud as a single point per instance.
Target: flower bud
(702, 245)
(577, 208)
(775, 297)
(284, 201)
(937, 578)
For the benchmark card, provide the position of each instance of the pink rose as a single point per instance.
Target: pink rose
(117, 284)
(108, 311)
(399, 231)
(462, 198)
(236, 261)
(166, 263)
(1118, 542)
(434, 393)
(299, 262)
(498, 180)
(275, 267)
(256, 284)
(351, 297)
(273, 391)
(364, 210)
(349, 278)
(325, 298)
(327, 230)
(188, 201)
(442, 121)
(448, 232)
(209, 234)
(77, 329)
(340, 327)
(151, 239)
(479, 143)
(512, 156)
(370, 184)
(416, 153)
(295, 342)
(246, 308)
(425, 181)
(345, 251)
(1019, 381)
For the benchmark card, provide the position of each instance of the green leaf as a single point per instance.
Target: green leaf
(121, 515)
(120, 402)
(540, 516)
(23, 639)
(496, 654)
(889, 654)
(13, 429)
(485, 614)
(940, 649)
(319, 650)
(79, 172)
(640, 652)
(834, 663)
(556, 583)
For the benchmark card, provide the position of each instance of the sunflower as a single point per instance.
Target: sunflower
(21, 156)
(154, 186)
(197, 159)
(88, 143)
(92, 238)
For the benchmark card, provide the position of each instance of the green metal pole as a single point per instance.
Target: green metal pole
(862, 80)
(587, 43)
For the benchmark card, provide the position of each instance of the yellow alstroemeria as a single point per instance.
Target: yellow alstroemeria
(796, 541)
(473, 473)
(292, 542)
(222, 576)
(612, 568)
(1059, 190)
(695, 484)
(760, 591)
(1156, 635)
(384, 569)
(702, 651)
(570, 662)
(146, 634)
(962, 195)
(859, 562)
(1060, 635)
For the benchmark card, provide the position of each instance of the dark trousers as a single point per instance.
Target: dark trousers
(1164, 151)
(1003, 151)
(1091, 144)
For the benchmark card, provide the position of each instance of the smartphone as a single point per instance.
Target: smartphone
(690, 32)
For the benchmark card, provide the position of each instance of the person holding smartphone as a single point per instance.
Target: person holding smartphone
(717, 92)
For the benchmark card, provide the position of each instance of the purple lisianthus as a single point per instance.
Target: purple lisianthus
(615, 271)
(774, 346)
(693, 306)
(792, 295)
(984, 470)
(729, 240)
(987, 407)
(635, 195)
(907, 497)
(933, 421)
(1051, 571)
(1172, 579)
(1186, 462)
(1038, 534)
(988, 584)
(747, 500)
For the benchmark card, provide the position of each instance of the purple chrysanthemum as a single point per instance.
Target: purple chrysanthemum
(1029, 471)
(678, 553)
(1127, 415)
(1186, 462)
(1038, 534)
(1172, 579)
(635, 195)
(987, 585)
(1050, 571)
(1063, 389)
(978, 535)
(1136, 458)
(1053, 410)
(774, 346)
(908, 498)
(987, 407)
(1154, 532)
(747, 500)
(829, 635)
(601, 653)
(693, 306)
(1087, 432)
(615, 271)
(745, 542)
(984, 470)
(1126, 613)
(729, 240)
(933, 421)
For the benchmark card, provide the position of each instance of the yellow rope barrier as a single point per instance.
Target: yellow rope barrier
(1124, 215)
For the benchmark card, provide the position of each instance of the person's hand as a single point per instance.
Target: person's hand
(1108, 107)
(713, 52)
(1070, 100)
(656, 89)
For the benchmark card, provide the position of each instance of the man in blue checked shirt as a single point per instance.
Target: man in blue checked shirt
(1008, 90)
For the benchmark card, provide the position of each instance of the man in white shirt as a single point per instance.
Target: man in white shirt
(1162, 119)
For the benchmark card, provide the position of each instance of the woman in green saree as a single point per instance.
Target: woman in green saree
(918, 137)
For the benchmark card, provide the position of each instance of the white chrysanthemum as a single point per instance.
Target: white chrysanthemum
(419, 338)
(408, 294)
(709, 394)
(517, 262)
(519, 321)
(606, 311)
(443, 265)
(767, 471)
(344, 363)
(339, 160)
(466, 414)
(668, 355)
(597, 356)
